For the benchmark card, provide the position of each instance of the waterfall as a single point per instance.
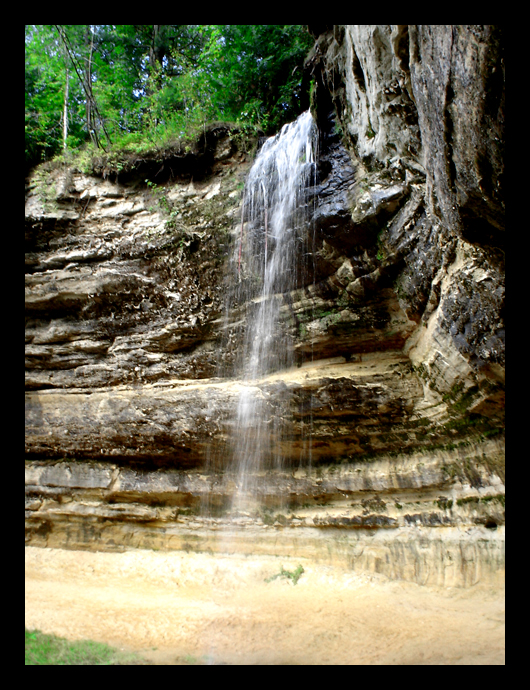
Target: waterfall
(272, 261)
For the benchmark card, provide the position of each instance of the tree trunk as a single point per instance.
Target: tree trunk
(90, 114)
(85, 77)
(65, 113)
(154, 48)
(154, 69)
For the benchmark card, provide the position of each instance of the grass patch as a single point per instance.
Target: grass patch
(50, 650)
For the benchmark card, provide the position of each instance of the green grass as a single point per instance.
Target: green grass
(50, 650)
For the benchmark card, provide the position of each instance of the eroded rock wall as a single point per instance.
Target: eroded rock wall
(421, 109)
(124, 280)
(392, 423)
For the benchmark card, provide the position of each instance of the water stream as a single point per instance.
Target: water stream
(273, 258)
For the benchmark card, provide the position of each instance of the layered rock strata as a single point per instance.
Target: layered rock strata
(433, 518)
(392, 423)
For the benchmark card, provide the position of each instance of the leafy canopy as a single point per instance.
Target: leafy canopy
(127, 86)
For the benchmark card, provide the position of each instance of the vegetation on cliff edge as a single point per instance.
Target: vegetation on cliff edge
(136, 87)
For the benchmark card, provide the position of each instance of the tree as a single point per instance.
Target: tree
(82, 63)
(256, 72)
(45, 81)
(124, 85)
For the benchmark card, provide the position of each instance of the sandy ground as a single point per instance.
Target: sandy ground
(178, 608)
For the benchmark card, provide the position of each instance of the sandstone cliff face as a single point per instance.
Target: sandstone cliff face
(392, 423)
(422, 112)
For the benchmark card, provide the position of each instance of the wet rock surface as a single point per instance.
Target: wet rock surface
(421, 110)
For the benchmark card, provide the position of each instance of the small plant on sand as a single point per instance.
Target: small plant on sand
(293, 575)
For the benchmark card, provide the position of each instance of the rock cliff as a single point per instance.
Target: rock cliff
(393, 419)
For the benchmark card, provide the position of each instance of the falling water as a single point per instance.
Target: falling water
(271, 262)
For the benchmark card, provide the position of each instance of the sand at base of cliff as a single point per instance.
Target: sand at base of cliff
(183, 608)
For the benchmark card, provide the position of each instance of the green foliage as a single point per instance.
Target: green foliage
(138, 86)
(293, 575)
(45, 77)
(255, 72)
(50, 650)
(164, 204)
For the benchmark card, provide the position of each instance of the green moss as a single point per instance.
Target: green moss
(470, 500)
(450, 470)
(467, 500)
(497, 498)
(473, 424)
(454, 393)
